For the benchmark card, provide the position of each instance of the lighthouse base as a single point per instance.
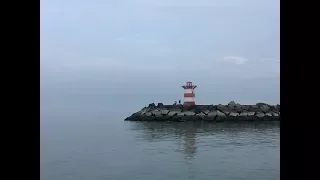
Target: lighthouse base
(189, 103)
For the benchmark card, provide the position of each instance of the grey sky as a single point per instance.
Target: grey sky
(229, 47)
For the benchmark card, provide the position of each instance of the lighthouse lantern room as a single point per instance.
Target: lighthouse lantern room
(189, 94)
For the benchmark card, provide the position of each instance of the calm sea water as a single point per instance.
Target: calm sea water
(97, 147)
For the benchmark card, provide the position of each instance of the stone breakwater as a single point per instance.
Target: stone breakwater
(215, 113)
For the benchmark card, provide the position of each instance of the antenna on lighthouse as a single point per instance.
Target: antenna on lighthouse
(189, 94)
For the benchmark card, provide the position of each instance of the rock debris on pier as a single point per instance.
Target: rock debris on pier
(217, 113)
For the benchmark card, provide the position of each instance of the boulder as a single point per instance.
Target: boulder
(268, 114)
(148, 114)
(175, 109)
(160, 105)
(213, 113)
(250, 116)
(191, 107)
(260, 115)
(152, 105)
(273, 108)
(226, 111)
(275, 114)
(244, 114)
(156, 113)
(221, 107)
(212, 108)
(173, 113)
(202, 107)
(164, 112)
(196, 110)
(143, 111)
(168, 106)
(134, 117)
(255, 109)
(206, 112)
(181, 114)
(233, 114)
(201, 115)
(268, 117)
(178, 106)
(260, 104)
(174, 118)
(145, 118)
(210, 116)
(185, 107)
(128, 118)
(238, 108)
(163, 118)
(220, 116)
(245, 107)
(265, 108)
(189, 113)
(275, 111)
(231, 103)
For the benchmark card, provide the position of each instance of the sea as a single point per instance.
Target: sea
(102, 146)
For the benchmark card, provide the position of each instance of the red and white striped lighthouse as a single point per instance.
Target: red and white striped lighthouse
(189, 94)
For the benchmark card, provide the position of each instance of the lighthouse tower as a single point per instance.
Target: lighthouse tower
(189, 94)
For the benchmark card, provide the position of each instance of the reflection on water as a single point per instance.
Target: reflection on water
(188, 133)
(108, 149)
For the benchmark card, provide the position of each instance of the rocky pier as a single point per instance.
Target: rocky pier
(215, 113)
